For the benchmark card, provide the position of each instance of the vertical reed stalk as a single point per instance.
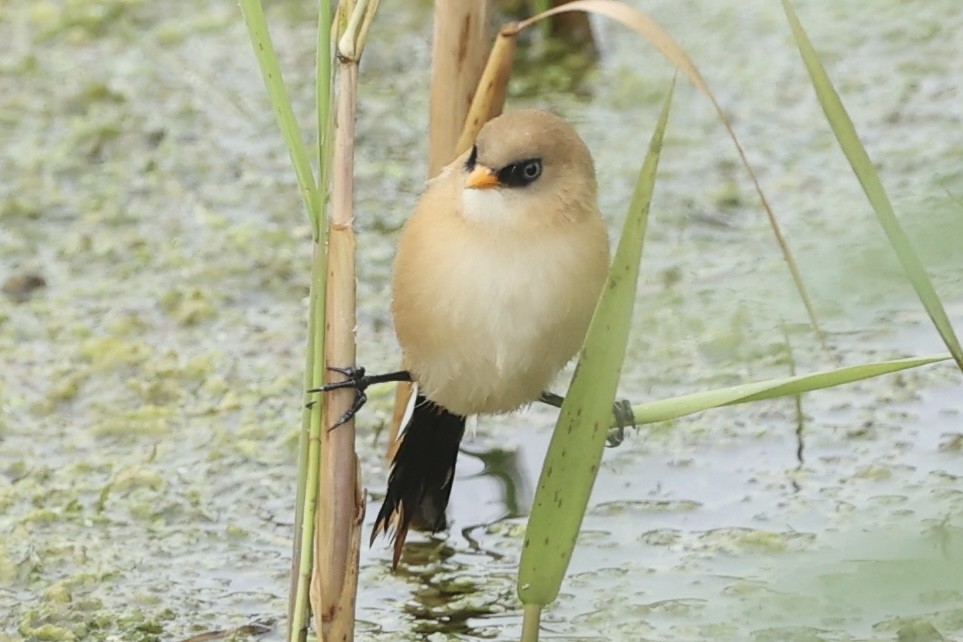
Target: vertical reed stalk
(341, 503)
(302, 559)
(458, 55)
(338, 511)
(302, 554)
(314, 195)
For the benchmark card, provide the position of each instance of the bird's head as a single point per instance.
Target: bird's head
(528, 168)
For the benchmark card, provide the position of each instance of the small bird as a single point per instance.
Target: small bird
(496, 277)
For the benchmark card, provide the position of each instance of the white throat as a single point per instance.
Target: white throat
(486, 206)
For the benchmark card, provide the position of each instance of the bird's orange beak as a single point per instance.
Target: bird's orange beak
(482, 178)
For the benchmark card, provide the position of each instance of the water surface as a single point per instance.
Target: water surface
(149, 397)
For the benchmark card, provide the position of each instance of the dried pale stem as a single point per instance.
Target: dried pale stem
(489, 99)
(341, 506)
(458, 55)
(338, 506)
(459, 48)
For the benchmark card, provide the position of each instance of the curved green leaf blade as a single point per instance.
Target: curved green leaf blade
(642, 24)
(690, 404)
(570, 467)
(845, 132)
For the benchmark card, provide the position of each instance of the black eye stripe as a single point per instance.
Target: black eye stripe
(472, 158)
(520, 174)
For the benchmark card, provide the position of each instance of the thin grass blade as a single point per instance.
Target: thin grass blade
(309, 441)
(281, 104)
(571, 464)
(664, 409)
(313, 195)
(845, 132)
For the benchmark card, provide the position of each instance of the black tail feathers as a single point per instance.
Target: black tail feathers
(422, 474)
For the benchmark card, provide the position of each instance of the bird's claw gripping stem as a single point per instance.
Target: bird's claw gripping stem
(622, 409)
(356, 379)
(624, 418)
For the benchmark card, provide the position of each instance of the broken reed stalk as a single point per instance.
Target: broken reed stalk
(489, 99)
(458, 54)
(341, 503)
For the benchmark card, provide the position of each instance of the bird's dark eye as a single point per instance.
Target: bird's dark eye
(472, 158)
(521, 173)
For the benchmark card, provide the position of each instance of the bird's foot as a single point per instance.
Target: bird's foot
(624, 418)
(551, 399)
(622, 409)
(357, 380)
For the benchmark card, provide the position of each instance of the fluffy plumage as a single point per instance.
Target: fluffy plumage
(494, 286)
